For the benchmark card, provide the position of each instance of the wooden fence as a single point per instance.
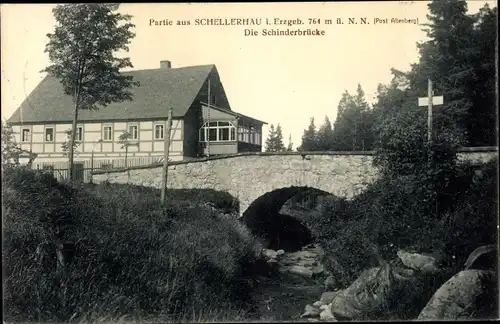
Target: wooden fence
(83, 169)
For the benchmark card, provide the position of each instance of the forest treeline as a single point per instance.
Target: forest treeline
(459, 58)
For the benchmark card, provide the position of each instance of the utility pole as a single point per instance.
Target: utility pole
(166, 141)
(208, 117)
(429, 101)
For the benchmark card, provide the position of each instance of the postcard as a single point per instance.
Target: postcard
(247, 162)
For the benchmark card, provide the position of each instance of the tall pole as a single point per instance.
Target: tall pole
(429, 121)
(429, 113)
(166, 141)
(208, 117)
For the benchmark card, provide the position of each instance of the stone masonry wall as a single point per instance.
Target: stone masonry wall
(248, 176)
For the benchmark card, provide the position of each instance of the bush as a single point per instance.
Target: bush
(403, 211)
(134, 256)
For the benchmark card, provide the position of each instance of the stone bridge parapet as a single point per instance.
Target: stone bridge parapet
(247, 176)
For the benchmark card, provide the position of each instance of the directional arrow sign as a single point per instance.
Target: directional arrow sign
(435, 101)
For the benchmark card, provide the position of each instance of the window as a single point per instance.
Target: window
(132, 129)
(245, 134)
(213, 99)
(79, 133)
(49, 134)
(252, 135)
(218, 131)
(249, 134)
(158, 132)
(25, 135)
(107, 134)
(224, 134)
(212, 134)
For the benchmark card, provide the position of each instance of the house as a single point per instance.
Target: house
(203, 122)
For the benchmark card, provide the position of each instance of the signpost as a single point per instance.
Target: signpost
(429, 101)
(166, 140)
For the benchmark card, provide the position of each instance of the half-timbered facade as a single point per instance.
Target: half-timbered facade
(203, 121)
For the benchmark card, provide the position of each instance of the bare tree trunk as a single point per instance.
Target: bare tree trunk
(72, 144)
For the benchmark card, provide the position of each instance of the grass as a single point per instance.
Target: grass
(136, 259)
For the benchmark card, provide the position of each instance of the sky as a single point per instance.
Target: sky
(277, 79)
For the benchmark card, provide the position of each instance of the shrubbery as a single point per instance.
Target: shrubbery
(449, 214)
(134, 256)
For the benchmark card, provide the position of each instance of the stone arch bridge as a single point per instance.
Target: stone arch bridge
(263, 182)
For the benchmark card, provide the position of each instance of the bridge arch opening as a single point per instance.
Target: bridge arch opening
(268, 220)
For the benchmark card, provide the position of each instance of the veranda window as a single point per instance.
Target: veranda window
(217, 131)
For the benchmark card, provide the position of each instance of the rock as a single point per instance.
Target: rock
(298, 270)
(307, 254)
(304, 263)
(280, 252)
(367, 294)
(330, 283)
(328, 296)
(270, 254)
(310, 311)
(482, 258)
(318, 270)
(457, 297)
(327, 315)
(420, 262)
(318, 304)
(324, 306)
(404, 272)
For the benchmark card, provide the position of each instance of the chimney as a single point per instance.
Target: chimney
(165, 64)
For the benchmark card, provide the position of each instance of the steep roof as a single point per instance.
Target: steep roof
(159, 90)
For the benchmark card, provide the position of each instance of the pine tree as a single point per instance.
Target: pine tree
(325, 136)
(353, 126)
(270, 141)
(274, 141)
(448, 59)
(279, 146)
(346, 126)
(364, 122)
(482, 117)
(309, 139)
